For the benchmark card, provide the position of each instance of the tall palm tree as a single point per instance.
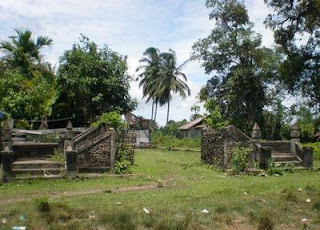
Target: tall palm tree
(151, 72)
(23, 50)
(172, 81)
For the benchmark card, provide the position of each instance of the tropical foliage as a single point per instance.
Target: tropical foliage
(29, 83)
(162, 77)
(93, 81)
(240, 67)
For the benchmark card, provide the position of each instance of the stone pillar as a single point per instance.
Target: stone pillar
(295, 138)
(265, 156)
(70, 153)
(256, 133)
(113, 151)
(7, 152)
(308, 157)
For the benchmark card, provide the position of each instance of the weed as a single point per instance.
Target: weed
(221, 208)
(289, 195)
(273, 169)
(180, 222)
(240, 158)
(316, 205)
(58, 157)
(42, 204)
(119, 220)
(265, 223)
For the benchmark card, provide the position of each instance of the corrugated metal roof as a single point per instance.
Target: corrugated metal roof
(192, 124)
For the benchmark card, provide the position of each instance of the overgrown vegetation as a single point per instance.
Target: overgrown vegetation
(160, 139)
(240, 158)
(192, 197)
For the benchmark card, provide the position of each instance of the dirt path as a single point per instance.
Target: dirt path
(88, 192)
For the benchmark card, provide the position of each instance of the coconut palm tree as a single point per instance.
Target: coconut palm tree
(172, 81)
(151, 71)
(23, 51)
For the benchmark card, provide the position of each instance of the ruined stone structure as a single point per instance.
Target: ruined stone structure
(216, 148)
(91, 151)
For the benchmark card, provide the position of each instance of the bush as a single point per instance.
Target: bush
(42, 204)
(240, 158)
(111, 118)
(316, 149)
(169, 141)
(123, 164)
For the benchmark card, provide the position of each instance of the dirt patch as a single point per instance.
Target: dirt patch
(136, 188)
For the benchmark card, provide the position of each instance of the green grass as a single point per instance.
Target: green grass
(171, 142)
(233, 202)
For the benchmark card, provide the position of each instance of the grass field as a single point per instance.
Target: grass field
(177, 191)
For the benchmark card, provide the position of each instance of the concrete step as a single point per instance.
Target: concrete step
(37, 177)
(284, 157)
(33, 158)
(35, 164)
(286, 163)
(37, 171)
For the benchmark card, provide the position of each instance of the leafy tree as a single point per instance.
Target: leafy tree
(28, 85)
(151, 67)
(275, 121)
(172, 128)
(195, 109)
(296, 26)
(240, 66)
(26, 98)
(23, 51)
(93, 81)
(214, 118)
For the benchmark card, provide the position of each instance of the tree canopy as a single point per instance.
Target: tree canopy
(92, 81)
(296, 26)
(232, 53)
(28, 86)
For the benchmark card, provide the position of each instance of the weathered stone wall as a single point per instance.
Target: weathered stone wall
(96, 158)
(212, 149)
(216, 147)
(277, 146)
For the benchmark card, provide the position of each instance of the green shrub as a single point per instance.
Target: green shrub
(58, 157)
(124, 163)
(42, 204)
(119, 220)
(168, 141)
(316, 149)
(273, 169)
(112, 118)
(123, 166)
(240, 158)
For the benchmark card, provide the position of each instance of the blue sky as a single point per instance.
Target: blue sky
(128, 27)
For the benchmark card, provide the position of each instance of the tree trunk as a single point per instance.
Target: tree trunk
(168, 111)
(152, 109)
(155, 112)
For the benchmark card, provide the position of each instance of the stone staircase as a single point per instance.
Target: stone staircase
(281, 154)
(36, 168)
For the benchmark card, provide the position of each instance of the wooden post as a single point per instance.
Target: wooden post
(7, 152)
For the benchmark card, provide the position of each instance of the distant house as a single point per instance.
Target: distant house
(141, 127)
(2, 115)
(193, 128)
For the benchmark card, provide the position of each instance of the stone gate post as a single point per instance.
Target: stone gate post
(295, 138)
(70, 153)
(7, 152)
